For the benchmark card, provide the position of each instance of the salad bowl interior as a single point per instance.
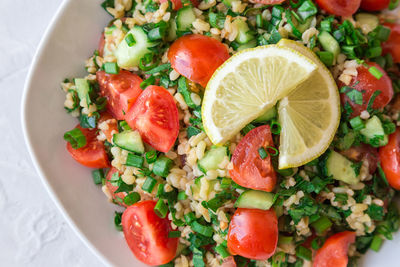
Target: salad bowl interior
(70, 39)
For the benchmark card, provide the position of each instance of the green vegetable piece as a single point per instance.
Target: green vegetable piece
(340, 168)
(253, 199)
(162, 166)
(374, 132)
(212, 159)
(76, 138)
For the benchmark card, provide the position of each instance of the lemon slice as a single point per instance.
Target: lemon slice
(249, 83)
(309, 115)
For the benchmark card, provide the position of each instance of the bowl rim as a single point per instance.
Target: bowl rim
(40, 50)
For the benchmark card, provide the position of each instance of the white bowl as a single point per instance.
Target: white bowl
(71, 38)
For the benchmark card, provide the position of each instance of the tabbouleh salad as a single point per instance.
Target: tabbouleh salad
(170, 121)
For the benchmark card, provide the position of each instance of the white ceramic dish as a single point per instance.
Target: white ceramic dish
(71, 38)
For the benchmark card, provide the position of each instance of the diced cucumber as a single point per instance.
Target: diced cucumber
(171, 30)
(184, 18)
(341, 168)
(367, 22)
(253, 199)
(329, 43)
(374, 132)
(244, 34)
(83, 89)
(129, 140)
(212, 159)
(305, 25)
(268, 115)
(249, 44)
(129, 56)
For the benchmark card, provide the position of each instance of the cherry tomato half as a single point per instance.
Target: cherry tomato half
(392, 45)
(113, 188)
(155, 116)
(344, 8)
(249, 169)
(374, 5)
(390, 159)
(147, 234)
(367, 83)
(196, 57)
(177, 4)
(253, 233)
(93, 154)
(334, 251)
(121, 91)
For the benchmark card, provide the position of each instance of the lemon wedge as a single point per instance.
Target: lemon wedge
(254, 80)
(248, 84)
(309, 115)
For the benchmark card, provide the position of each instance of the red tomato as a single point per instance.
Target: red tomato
(392, 45)
(112, 125)
(253, 233)
(147, 234)
(363, 152)
(367, 82)
(344, 8)
(102, 43)
(229, 262)
(374, 5)
(267, 2)
(121, 91)
(196, 57)
(155, 116)
(390, 159)
(93, 154)
(177, 4)
(334, 251)
(113, 188)
(249, 170)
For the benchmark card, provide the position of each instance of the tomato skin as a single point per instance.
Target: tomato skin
(253, 233)
(196, 57)
(147, 234)
(344, 8)
(121, 91)
(249, 170)
(177, 4)
(334, 251)
(113, 188)
(93, 154)
(102, 43)
(267, 2)
(365, 81)
(155, 116)
(374, 5)
(392, 45)
(390, 159)
(112, 125)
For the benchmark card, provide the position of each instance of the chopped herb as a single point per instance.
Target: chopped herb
(149, 184)
(130, 40)
(111, 68)
(307, 9)
(134, 160)
(357, 123)
(375, 72)
(98, 176)
(117, 220)
(375, 212)
(151, 156)
(174, 234)
(202, 229)
(162, 166)
(76, 138)
(303, 253)
(262, 152)
(161, 209)
(131, 198)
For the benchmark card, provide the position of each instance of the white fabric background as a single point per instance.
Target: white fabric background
(32, 230)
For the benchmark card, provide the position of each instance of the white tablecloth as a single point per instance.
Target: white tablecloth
(32, 230)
